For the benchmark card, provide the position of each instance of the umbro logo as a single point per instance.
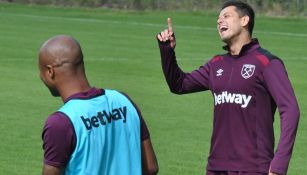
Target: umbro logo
(219, 72)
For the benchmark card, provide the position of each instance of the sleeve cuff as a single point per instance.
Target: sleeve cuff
(55, 164)
(279, 166)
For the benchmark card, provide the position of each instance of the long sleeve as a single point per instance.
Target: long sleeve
(277, 81)
(178, 81)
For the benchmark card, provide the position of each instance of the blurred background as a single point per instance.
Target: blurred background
(121, 52)
(267, 7)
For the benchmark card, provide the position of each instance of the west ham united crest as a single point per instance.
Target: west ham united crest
(248, 70)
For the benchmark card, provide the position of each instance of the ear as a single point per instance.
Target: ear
(244, 20)
(50, 71)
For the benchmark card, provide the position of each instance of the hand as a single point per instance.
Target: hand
(273, 174)
(168, 34)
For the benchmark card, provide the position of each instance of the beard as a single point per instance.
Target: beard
(52, 88)
(225, 39)
(53, 92)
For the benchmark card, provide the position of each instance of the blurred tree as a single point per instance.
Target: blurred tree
(271, 7)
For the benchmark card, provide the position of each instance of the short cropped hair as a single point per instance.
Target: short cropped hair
(243, 9)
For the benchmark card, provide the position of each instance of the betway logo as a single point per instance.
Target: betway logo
(226, 97)
(104, 117)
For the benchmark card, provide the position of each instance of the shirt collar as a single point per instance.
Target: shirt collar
(246, 48)
(91, 93)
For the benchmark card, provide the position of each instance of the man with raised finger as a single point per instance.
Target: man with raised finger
(248, 83)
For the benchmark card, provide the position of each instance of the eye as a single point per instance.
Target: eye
(226, 16)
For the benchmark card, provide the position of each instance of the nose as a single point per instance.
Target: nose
(219, 20)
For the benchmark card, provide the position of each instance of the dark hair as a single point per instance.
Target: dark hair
(243, 9)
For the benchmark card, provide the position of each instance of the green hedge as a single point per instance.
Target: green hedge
(272, 7)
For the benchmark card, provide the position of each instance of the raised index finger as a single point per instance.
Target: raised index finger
(170, 25)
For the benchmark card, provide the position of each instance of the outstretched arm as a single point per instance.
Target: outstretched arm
(178, 81)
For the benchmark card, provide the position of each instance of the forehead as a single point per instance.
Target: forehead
(229, 9)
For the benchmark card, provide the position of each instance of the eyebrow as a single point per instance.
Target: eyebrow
(226, 13)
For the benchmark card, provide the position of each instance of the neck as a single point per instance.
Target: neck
(235, 45)
(73, 86)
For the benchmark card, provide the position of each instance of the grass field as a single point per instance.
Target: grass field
(121, 53)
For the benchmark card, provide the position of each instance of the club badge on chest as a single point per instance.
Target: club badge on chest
(248, 70)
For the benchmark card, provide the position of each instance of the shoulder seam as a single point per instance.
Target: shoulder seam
(217, 58)
(133, 104)
(265, 57)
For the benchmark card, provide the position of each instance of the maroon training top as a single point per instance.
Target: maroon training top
(246, 89)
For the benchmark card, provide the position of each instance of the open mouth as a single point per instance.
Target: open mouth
(223, 29)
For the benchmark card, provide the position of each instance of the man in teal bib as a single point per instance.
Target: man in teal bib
(96, 131)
